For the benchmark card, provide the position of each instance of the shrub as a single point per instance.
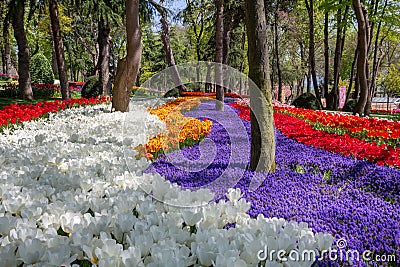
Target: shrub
(92, 87)
(173, 93)
(307, 101)
(40, 70)
(9, 91)
(350, 105)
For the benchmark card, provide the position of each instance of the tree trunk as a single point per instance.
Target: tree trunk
(227, 26)
(7, 50)
(353, 64)
(104, 55)
(17, 21)
(362, 21)
(278, 65)
(219, 104)
(337, 61)
(310, 8)
(166, 39)
(376, 63)
(59, 49)
(326, 55)
(128, 67)
(261, 115)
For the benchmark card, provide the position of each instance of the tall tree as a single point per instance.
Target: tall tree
(59, 49)
(166, 39)
(310, 9)
(219, 32)
(261, 116)
(128, 67)
(103, 64)
(326, 54)
(7, 49)
(362, 65)
(17, 14)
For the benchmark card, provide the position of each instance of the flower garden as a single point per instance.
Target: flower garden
(84, 186)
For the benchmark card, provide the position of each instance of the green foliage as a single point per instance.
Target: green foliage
(44, 92)
(173, 93)
(307, 101)
(392, 80)
(92, 87)
(40, 69)
(350, 105)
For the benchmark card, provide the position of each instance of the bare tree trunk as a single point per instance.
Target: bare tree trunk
(208, 85)
(227, 26)
(104, 55)
(59, 49)
(362, 21)
(166, 39)
(128, 67)
(376, 63)
(262, 123)
(353, 64)
(7, 50)
(219, 104)
(17, 21)
(338, 57)
(310, 8)
(326, 55)
(278, 65)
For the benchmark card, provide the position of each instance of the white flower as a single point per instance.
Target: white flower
(234, 194)
(31, 251)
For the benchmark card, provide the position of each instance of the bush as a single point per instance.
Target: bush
(10, 91)
(307, 101)
(173, 93)
(350, 105)
(92, 87)
(40, 70)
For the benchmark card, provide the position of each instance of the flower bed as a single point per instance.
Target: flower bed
(369, 129)
(181, 131)
(66, 199)
(16, 113)
(345, 144)
(354, 200)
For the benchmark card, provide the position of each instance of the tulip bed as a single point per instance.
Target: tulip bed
(363, 138)
(17, 113)
(67, 199)
(181, 131)
(338, 194)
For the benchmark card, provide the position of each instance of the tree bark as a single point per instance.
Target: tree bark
(59, 49)
(261, 115)
(326, 55)
(353, 64)
(128, 67)
(338, 58)
(278, 65)
(7, 50)
(166, 39)
(17, 21)
(219, 104)
(310, 8)
(376, 62)
(104, 55)
(362, 21)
